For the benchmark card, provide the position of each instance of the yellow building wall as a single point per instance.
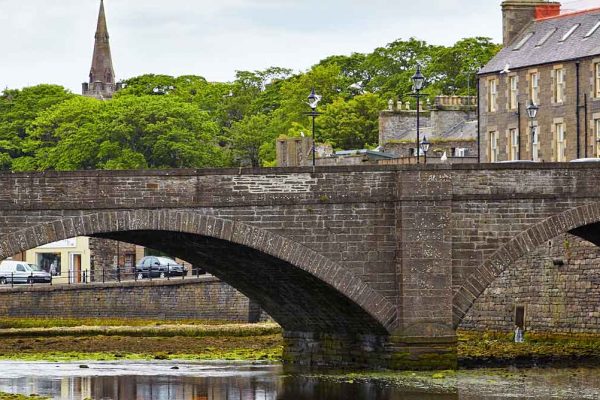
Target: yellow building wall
(69, 251)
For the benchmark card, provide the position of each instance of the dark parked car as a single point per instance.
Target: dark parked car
(158, 267)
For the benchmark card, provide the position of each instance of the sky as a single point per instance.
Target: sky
(45, 41)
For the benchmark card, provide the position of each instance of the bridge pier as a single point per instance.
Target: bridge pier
(309, 350)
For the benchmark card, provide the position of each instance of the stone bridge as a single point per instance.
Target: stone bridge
(361, 266)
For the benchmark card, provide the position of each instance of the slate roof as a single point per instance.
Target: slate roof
(465, 130)
(553, 49)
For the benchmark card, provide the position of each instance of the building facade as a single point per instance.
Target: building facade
(551, 60)
(449, 124)
(68, 261)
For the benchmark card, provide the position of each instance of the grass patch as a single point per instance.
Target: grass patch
(235, 330)
(8, 396)
(24, 323)
(500, 347)
(111, 348)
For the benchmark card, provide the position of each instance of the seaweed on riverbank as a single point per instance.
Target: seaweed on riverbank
(9, 396)
(477, 349)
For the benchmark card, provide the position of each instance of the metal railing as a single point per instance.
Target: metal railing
(114, 274)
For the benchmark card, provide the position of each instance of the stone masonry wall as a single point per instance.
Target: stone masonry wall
(395, 125)
(205, 299)
(504, 119)
(558, 284)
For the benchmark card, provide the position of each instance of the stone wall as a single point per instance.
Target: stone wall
(397, 125)
(558, 285)
(107, 254)
(203, 299)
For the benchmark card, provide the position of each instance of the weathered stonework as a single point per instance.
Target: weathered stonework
(449, 124)
(558, 284)
(202, 299)
(107, 254)
(394, 252)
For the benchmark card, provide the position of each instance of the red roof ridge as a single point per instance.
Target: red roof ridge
(570, 14)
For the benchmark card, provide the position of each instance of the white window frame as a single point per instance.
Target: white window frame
(514, 143)
(493, 95)
(534, 85)
(561, 147)
(535, 143)
(597, 80)
(493, 138)
(460, 152)
(513, 91)
(559, 85)
(597, 127)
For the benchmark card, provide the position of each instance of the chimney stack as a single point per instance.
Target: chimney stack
(517, 14)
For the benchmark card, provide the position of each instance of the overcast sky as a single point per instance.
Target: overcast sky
(45, 41)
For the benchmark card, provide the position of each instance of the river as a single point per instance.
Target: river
(241, 381)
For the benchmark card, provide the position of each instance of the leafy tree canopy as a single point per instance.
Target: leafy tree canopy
(161, 121)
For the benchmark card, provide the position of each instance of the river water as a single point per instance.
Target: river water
(200, 381)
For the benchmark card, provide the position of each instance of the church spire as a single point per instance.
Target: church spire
(102, 75)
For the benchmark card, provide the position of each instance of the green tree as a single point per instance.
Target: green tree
(64, 137)
(18, 109)
(128, 132)
(248, 137)
(351, 124)
(391, 67)
(454, 69)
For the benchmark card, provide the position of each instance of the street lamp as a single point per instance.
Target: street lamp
(532, 110)
(424, 145)
(313, 101)
(418, 83)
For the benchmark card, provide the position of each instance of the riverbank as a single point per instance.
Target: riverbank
(117, 339)
(494, 349)
(110, 340)
(8, 396)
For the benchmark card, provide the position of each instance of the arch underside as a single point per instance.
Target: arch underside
(298, 287)
(583, 222)
(297, 300)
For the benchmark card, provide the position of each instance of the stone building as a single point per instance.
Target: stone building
(450, 124)
(297, 152)
(550, 59)
(101, 84)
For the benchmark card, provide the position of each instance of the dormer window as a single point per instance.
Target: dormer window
(593, 30)
(523, 41)
(547, 36)
(570, 32)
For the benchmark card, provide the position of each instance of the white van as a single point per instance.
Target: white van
(21, 272)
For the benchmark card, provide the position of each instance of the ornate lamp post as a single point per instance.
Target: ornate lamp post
(425, 145)
(532, 110)
(313, 101)
(418, 83)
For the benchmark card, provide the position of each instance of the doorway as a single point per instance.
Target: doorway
(75, 268)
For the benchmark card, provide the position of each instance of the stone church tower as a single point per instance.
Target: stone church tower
(102, 75)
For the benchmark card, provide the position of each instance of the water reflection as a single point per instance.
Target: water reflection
(168, 381)
(160, 381)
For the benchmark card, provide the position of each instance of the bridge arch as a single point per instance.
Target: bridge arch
(301, 289)
(583, 221)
